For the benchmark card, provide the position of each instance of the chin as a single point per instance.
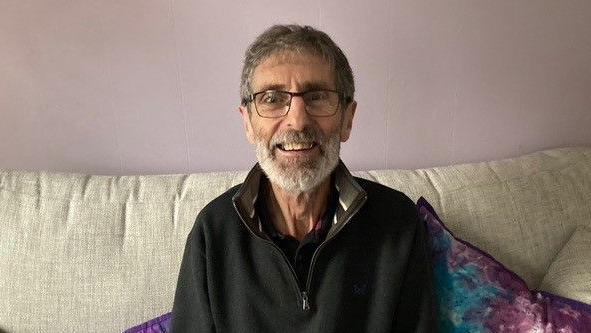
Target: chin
(299, 176)
(299, 180)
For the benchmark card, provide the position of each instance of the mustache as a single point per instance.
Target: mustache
(306, 135)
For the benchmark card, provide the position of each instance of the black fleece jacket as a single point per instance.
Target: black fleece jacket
(371, 274)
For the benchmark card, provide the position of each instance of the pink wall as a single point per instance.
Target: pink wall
(151, 86)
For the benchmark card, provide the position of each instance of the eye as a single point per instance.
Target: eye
(272, 97)
(318, 95)
(269, 97)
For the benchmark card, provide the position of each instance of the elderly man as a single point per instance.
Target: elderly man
(301, 245)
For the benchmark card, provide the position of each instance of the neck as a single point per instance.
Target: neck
(296, 214)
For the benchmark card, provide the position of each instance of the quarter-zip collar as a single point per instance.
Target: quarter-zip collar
(351, 198)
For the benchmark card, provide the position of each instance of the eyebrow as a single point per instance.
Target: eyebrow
(307, 86)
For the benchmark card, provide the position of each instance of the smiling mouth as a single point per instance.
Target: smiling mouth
(296, 146)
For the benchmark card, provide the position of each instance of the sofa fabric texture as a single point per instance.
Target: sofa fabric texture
(103, 252)
(569, 275)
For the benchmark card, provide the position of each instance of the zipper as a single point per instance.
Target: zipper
(305, 301)
(323, 244)
(303, 294)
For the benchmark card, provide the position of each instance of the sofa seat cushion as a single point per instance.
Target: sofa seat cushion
(569, 275)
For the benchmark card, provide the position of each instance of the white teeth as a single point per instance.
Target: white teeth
(297, 146)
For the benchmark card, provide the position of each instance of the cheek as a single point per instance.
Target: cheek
(263, 131)
(330, 127)
(261, 135)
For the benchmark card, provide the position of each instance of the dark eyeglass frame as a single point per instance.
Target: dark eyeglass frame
(251, 98)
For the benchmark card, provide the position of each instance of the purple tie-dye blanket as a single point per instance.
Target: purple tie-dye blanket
(160, 324)
(478, 294)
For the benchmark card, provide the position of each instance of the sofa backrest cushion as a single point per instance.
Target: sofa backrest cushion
(569, 274)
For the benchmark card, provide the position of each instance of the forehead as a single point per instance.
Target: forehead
(291, 70)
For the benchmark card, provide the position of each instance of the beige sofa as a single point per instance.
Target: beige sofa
(101, 253)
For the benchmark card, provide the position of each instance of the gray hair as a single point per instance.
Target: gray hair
(299, 39)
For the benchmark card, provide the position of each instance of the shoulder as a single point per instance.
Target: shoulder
(383, 192)
(218, 214)
(386, 200)
(222, 204)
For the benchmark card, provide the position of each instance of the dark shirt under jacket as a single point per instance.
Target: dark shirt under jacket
(299, 254)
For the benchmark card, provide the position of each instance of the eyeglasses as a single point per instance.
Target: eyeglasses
(276, 103)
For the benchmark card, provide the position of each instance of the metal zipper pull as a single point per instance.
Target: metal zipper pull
(305, 301)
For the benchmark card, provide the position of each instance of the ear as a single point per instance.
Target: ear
(247, 124)
(347, 122)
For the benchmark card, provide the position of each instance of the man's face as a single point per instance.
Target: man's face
(296, 151)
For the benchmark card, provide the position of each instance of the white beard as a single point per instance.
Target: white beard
(296, 176)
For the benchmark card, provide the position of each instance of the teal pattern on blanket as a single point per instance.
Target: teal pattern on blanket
(477, 294)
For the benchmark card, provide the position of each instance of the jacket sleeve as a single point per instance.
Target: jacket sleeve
(191, 311)
(417, 309)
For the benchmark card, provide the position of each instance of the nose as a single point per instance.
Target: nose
(297, 117)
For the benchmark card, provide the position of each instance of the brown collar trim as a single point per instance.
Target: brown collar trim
(244, 200)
